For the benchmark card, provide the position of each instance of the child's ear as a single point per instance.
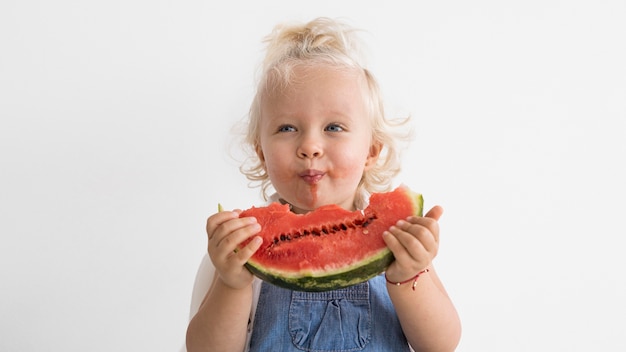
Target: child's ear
(373, 155)
(259, 153)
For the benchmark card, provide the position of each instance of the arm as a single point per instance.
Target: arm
(427, 315)
(221, 321)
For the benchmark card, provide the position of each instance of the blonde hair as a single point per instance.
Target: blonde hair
(328, 42)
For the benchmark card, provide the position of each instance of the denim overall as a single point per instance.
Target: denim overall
(357, 318)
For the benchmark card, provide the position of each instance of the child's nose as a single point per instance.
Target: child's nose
(309, 155)
(309, 148)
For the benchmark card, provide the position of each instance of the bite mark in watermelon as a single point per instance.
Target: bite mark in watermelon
(330, 247)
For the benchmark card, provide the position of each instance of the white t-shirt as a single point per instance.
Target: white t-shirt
(204, 278)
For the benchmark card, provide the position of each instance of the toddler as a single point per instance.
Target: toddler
(319, 136)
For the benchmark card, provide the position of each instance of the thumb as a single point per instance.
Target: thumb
(434, 213)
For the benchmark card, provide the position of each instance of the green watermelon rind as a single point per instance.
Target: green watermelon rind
(326, 280)
(418, 203)
(355, 274)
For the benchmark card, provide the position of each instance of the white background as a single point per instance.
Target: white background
(115, 146)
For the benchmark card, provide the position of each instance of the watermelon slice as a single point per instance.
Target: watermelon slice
(330, 247)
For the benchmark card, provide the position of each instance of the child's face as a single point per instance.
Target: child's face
(316, 138)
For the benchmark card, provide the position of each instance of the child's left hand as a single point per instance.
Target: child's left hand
(414, 243)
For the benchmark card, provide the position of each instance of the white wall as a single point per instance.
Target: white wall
(115, 119)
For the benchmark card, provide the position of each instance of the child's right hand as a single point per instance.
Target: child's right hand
(225, 231)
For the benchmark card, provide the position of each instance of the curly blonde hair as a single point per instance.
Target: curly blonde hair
(331, 43)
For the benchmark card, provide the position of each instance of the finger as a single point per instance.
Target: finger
(429, 223)
(248, 251)
(416, 239)
(435, 212)
(234, 232)
(406, 260)
(394, 245)
(419, 235)
(217, 219)
(231, 222)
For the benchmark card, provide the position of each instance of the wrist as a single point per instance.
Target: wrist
(412, 279)
(237, 286)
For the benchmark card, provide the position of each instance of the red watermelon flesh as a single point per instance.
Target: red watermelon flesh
(330, 247)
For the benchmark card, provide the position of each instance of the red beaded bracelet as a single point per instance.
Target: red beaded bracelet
(414, 279)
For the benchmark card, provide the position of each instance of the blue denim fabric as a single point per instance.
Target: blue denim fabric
(357, 318)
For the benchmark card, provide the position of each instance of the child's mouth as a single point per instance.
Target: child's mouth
(311, 176)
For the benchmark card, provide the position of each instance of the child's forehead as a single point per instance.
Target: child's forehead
(303, 73)
(322, 81)
(327, 97)
(305, 91)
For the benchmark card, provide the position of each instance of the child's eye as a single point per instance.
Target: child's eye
(286, 128)
(334, 128)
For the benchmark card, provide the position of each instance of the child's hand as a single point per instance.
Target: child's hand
(414, 243)
(225, 231)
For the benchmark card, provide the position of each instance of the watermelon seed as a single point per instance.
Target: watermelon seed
(326, 230)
